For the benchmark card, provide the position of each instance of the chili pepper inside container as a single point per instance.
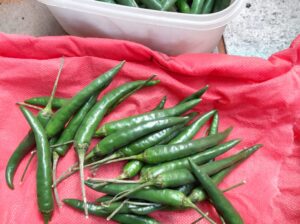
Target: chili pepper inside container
(170, 32)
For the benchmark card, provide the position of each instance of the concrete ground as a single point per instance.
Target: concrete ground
(262, 28)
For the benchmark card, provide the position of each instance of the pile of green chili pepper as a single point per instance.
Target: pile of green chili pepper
(176, 170)
(182, 6)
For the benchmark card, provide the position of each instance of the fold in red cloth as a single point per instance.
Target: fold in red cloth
(259, 98)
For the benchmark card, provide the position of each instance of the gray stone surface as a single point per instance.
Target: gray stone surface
(27, 17)
(263, 27)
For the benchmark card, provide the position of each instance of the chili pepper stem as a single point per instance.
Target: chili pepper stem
(81, 153)
(96, 164)
(123, 194)
(27, 165)
(235, 186)
(55, 161)
(64, 176)
(48, 108)
(116, 210)
(115, 181)
(140, 203)
(204, 215)
(122, 176)
(137, 157)
(62, 144)
(30, 106)
(71, 170)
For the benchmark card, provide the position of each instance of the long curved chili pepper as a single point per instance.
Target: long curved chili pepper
(198, 194)
(213, 129)
(68, 135)
(121, 138)
(62, 116)
(132, 149)
(131, 3)
(89, 124)
(158, 135)
(128, 122)
(167, 4)
(158, 138)
(28, 141)
(168, 179)
(198, 94)
(152, 4)
(218, 165)
(43, 101)
(44, 175)
(142, 83)
(133, 167)
(164, 153)
(147, 209)
(109, 1)
(200, 158)
(208, 6)
(220, 202)
(167, 197)
(197, 6)
(189, 132)
(122, 218)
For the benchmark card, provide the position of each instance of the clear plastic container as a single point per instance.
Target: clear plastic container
(169, 32)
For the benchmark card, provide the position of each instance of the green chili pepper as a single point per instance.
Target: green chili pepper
(98, 209)
(195, 95)
(131, 169)
(167, 197)
(28, 142)
(145, 210)
(208, 6)
(199, 159)
(222, 205)
(168, 4)
(164, 153)
(214, 125)
(89, 124)
(220, 5)
(131, 3)
(161, 104)
(122, 218)
(121, 138)
(132, 149)
(189, 132)
(197, 6)
(44, 175)
(183, 6)
(109, 1)
(128, 122)
(218, 165)
(68, 135)
(143, 143)
(61, 117)
(152, 4)
(43, 101)
(198, 194)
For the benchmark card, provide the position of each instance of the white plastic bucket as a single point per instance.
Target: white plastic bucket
(169, 32)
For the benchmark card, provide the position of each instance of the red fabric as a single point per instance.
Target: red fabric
(260, 98)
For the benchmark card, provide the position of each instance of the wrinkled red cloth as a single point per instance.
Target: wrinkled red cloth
(259, 98)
